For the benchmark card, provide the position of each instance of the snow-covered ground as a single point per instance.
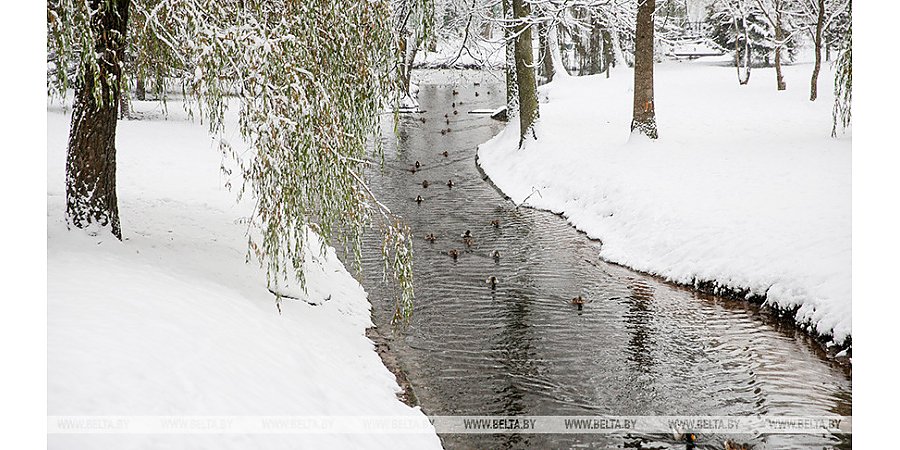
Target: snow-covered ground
(745, 187)
(172, 321)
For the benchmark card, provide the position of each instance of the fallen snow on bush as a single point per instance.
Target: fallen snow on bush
(744, 188)
(172, 321)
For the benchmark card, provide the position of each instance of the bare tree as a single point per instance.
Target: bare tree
(814, 82)
(774, 11)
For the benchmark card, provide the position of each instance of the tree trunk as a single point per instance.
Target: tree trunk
(644, 115)
(546, 56)
(742, 58)
(91, 157)
(607, 52)
(124, 107)
(528, 101)
(140, 90)
(779, 37)
(596, 56)
(512, 91)
(814, 83)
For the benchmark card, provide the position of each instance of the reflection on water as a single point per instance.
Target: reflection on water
(638, 347)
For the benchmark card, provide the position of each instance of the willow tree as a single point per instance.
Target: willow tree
(525, 79)
(308, 78)
(91, 35)
(643, 111)
(843, 84)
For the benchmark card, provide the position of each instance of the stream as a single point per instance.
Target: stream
(640, 346)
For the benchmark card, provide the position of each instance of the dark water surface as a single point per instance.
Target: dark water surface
(640, 347)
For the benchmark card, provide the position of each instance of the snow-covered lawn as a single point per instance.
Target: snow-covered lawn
(173, 322)
(745, 187)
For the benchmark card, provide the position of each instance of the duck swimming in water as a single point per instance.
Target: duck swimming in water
(495, 223)
(418, 165)
(454, 253)
(731, 445)
(419, 199)
(467, 234)
(492, 280)
(425, 183)
(430, 238)
(689, 439)
(446, 153)
(450, 183)
(579, 302)
(496, 255)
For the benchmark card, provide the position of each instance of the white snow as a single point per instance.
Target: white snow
(172, 321)
(744, 187)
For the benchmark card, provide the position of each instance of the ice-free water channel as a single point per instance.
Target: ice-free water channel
(640, 347)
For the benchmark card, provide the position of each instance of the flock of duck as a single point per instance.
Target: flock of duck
(467, 238)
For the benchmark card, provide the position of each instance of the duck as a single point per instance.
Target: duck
(476, 93)
(467, 234)
(450, 183)
(447, 120)
(430, 237)
(495, 223)
(731, 445)
(689, 439)
(469, 241)
(453, 104)
(418, 164)
(476, 83)
(492, 280)
(422, 119)
(443, 131)
(446, 153)
(579, 302)
(496, 255)
(455, 112)
(425, 184)
(455, 92)
(454, 253)
(419, 199)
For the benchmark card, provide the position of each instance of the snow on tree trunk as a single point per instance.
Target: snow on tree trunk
(643, 114)
(91, 157)
(512, 89)
(555, 53)
(527, 86)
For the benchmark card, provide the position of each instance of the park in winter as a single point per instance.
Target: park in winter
(460, 224)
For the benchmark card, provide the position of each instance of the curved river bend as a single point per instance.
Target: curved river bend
(640, 347)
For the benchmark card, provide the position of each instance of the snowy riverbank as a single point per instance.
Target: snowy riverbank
(172, 321)
(745, 187)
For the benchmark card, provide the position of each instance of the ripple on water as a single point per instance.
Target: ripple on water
(640, 346)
